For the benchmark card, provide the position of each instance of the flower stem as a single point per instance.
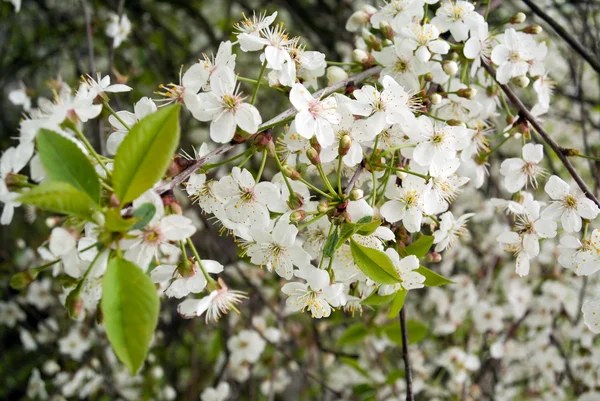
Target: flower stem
(90, 149)
(208, 278)
(325, 179)
(114, 113)
(260, 75)
(262, 166)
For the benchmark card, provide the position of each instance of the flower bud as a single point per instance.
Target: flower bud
(450, 67)
(371, 40)
(74, 304)
(357, 19)
(356, 194)
(521, 81)
(22, 279)
(467, 93)
(313, 156)
(510, 119)
(345, 143)
(323, 207)
(386, 30)
(360, 56)
(518, 18)
(314, 142)
(533, 29)
(428, 77)
(297, 216)
(436, 98)
(290, 172)
(401, 174)
(335, 74)
(186, 268)
(434, 257)
(369, 9)
(455, 123)
(51, 222)
(295, 201)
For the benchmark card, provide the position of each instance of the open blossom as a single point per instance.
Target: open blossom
(513, 54)
(405, 268)
(519, 172)
(400, 63)
(246, 346)
(444, 186)
(398, 13)
(450, 231)
(198, 75)
(180, 282)
(246, 201)
(319, 300)
(390, 106)
(218, 303)
(436, 142)
(569, 205)
(424, 40)
(405, 203)
(118, 28)
(478, 46)
(582, 258)
(100, 85)
(315, 116)
(278, 250)
(458, 17)
(224, 107)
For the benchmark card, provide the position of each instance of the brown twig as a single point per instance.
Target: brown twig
(524, 113)
(180, 178)
(408, 374)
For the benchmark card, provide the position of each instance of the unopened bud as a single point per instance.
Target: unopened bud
(523, 128)
(455, 123)
(22, 279)
(533, 29)
(467, 93)
(360, 56)
(521, 81)
(371, 40)
(323, 207)
(357, 20)
(434, 257)
(290, 172)
(313, 156)
(295, 201)
(436, 98)
(428, 77)
(345, 143)
(314, 142)
(510, 119)
(74, 304)
(386, 30)
(52, 221)
(335, 74)
(401, 174)
(113, 201)
(297, 216)
(369, 9)
(565, 151)
(518, 18)
(356, 194)
(450, 67)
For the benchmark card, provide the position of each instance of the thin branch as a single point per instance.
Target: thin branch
(408, 374)
(583, 52)
(524, 113)
(89, 33)
(180, 178)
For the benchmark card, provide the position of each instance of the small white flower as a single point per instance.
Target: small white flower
(36, 388)
(436, 142)
(513, 243)
(405, 268)
(488, 318)
(19, 97)
(219, 393)
(424, 39)
(478, 46)
(400, 63)
(458, 17)
(180, 285)
(398, 13)
(218, 303)
(519, 172)
(450, 231)
(513, 54)
(319, 299)
(224, 107)
(118, 28)
(444, 185)
(315, 116)
(406, 203)
(246, 346)
(569, 205)
(100, 85)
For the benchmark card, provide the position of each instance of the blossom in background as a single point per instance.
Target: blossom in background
(219, 393)
(451, 230)
(118, 28)
(19, 97)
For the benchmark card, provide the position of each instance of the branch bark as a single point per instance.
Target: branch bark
(524, 113)
(180, 178)
(408, 370)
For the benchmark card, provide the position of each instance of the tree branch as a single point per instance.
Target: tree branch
(583, 52)
(524, 113)
(409, 390)
(181, 177)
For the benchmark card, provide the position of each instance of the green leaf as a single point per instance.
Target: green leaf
(398, 303)
(353, 363)
(420, 247)
(432, 279)
(59, 197)
(364, 220)
(145, 212)
(353, 334)
(116, 223)
(376, 300)
(130, 307)
(368, 228)
(63, 161)
(416, 332)
(330, 244)
(374, 263)
(146, 153)
(346, 231)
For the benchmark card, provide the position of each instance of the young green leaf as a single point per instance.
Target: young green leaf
(60, 197)
(330, 244)
(353, 334)
(398, 303)
(377, 300)
(146, 153)
(346, 231)
(63, 161)
(130, 307)
(368, 228)
(420, 247)
(432, 279)
(145, 212)
(374, 263)
(116, 223)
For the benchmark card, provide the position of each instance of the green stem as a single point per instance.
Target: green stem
(285, 120)
(587, 157)
(260, 75)
(341, 64)
(408, 145)
(245, 161)
(90, 149)
(339, 176)
(285, 178)
(114, 113)
(325, 179)
(309, 222)
(425, 177)
(208, 278)
(311, 186)
(262, 166)
(498, 147)
(207, 167)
